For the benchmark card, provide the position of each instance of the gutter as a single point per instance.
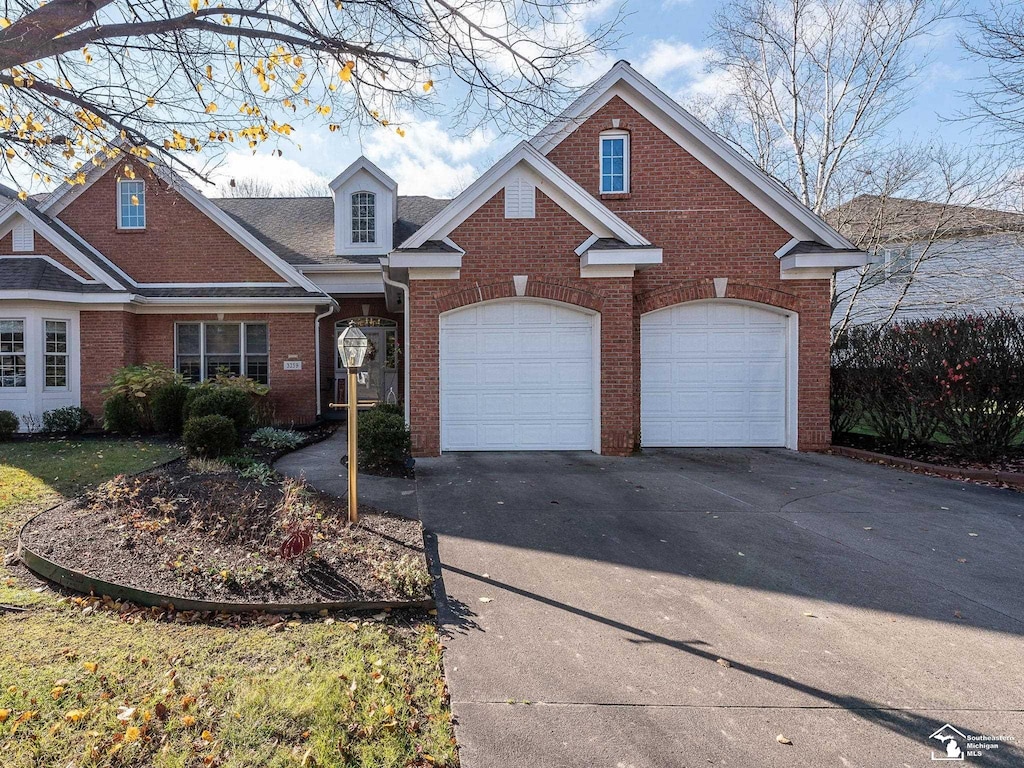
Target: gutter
(386, 274)
(334, 307)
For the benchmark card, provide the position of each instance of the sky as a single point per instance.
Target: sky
(666, 40)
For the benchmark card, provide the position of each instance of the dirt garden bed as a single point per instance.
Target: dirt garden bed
(203, 531)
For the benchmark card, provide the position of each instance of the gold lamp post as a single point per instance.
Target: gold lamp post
(352, 344)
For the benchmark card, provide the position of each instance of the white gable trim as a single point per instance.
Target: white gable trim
(362, 164)
(57, 240)
(63, 196)
(548, 178)
(696, 138)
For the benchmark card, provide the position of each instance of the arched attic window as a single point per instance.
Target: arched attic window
(364, 217)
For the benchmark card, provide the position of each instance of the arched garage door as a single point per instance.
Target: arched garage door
(517, 375)
(713, 373)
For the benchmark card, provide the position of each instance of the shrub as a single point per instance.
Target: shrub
(241, 383)
(8, 424)
(209, 436)
(168, 408)
(139, 383)
(384, 442)
(121, 415)
(276, 439)
(407, 576)
(235, 404)
(70, 420)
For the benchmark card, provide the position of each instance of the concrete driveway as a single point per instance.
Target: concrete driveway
(686, 608)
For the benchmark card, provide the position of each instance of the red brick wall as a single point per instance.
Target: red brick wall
(180, 244)
(41, 246)
(113, 339)
(706, 230)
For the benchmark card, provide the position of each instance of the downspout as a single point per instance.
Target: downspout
(334, 307)
(386, 274)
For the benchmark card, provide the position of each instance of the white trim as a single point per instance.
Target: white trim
(66, 354)
(787, 248)
(607, 270)
(120, 222)
(550, 179)
(636, 256)
(701, 142)
(222, 309)
(386, 274)
(363, 164)
(820, 273)
(64, 297)
(614, 133)
(53, 263)
(214, 285)
(191, 301)
(792, 358)
(449, 260)
(23, 238)
(595, 353)
(585, 245)
(434, 273)
(840, 260)
(57, 240)
(316, 268)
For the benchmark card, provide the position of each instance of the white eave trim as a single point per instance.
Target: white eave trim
(481, 190)
(695, 137)
(425, 260)
(65, 297)
(193, 301)
(638, 257)
(315, 269)
(839, 260)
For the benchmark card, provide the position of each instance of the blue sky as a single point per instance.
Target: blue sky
(665, 39)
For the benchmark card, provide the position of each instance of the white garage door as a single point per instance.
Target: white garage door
(713, 374)
(517, 375)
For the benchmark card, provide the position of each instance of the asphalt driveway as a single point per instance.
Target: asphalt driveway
(686, 608)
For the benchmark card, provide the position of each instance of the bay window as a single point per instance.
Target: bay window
(12, 353)
(205, 350)
(55, 349)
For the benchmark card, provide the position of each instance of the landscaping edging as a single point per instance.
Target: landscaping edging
(1013, 479)
(80, 582)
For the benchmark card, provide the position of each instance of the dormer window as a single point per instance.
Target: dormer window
(131, 204)
(364, 217)
(614, 162)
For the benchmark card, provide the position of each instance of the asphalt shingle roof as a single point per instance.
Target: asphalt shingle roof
(301, 229)
(31, 273)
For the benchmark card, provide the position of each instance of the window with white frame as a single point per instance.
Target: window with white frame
(614, 162)
(55, 351)
(364, 217)
(205, 350)
(131, 204)
(12, 353)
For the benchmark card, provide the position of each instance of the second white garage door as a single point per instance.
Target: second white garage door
(713, 374)
(517, 375)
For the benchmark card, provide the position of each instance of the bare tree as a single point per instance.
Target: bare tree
(999, 42)
(175, 77)
(254, 186)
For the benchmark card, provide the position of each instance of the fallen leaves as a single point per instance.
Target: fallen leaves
(75, 715)
(723, 663)
(486, 599)
(782, 739)
(90, 667)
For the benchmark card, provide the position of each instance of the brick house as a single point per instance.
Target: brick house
(623, 279)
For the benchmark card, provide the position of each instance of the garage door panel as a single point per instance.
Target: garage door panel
(518, 376)
(713, 374)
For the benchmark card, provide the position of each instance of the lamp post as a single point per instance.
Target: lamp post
(352, 344)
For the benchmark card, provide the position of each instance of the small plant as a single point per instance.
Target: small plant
(407, 576)
(295, 544)
(240, 383)
(139, 383)
(168, 408)
(31, 423)
(209, 436)
(258, 471)
(70, 420)
(121, 415)
(385, 445)
(276, 439)
(8, 424)
(208, 466)
(231, 403)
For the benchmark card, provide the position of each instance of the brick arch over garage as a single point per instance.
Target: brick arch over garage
(506, 289)
(697, 290)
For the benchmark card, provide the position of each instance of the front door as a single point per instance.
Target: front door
(378, 376)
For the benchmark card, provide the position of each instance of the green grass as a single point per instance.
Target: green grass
(318, 692)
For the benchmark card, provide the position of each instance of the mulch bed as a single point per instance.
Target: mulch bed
(201, 531)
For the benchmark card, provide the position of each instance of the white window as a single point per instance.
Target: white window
(12, 353)
(23, 237)
(204, 350)
(614, 162)
(131, 204)
(55, 350)
(364, 217)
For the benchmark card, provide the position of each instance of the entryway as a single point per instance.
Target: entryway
(378, 379)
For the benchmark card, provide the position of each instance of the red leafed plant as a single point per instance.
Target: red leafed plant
(296, 543)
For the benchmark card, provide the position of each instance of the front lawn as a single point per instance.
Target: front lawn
(85, 686)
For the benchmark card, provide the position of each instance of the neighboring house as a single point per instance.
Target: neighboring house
(928, 259)
(624, 279)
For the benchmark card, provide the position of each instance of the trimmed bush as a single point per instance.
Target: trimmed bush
(235, 404)
(121, 415)
(70, 420)
(8, 424)
(276, 439)
(209, 436)
(385, 445)
(168, 408)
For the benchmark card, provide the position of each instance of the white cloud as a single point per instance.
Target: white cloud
(682, 70)
(665, 57)
(282, 173)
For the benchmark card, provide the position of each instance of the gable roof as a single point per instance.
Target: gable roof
(550, 180)
(903, 220)
(301, 229)
(705, 145)
(64, 194)
(363, 164)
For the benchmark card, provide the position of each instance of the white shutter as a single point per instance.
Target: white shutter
(520, 199)
(23, 237)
